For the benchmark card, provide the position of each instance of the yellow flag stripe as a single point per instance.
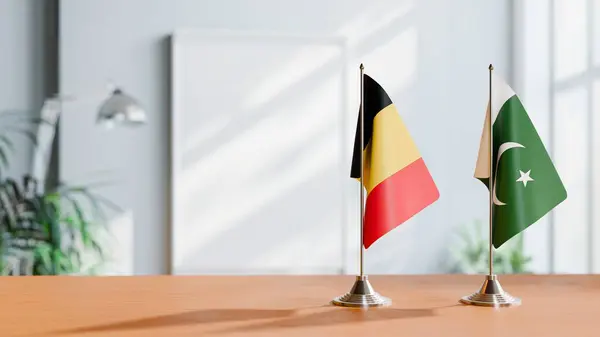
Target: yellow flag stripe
(390, 149)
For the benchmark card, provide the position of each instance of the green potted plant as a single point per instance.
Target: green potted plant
(48, 232)
(471, 255)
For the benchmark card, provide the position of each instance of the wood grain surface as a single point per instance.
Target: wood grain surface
(170, 306)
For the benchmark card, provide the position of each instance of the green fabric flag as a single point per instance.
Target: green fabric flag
(525, 183)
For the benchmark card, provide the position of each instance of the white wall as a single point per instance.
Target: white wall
(431, 56)
(23, 76)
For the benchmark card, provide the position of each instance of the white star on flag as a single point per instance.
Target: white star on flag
(524, 178)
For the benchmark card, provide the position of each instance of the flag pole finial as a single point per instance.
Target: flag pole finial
(491, 67)
(362, 67)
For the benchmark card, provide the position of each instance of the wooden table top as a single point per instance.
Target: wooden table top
(171, 306)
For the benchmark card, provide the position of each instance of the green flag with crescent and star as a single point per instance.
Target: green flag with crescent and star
(525, 183)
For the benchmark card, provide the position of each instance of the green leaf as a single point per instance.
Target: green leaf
(71, 223)
(81, 221)
(6, 141)
(43, 254)
(58, 262)
(98, 249)
(54, 232)
(95, 202)
(27, 133)
(75, 257)
(100, 200)
(3, 158)
(96, 207)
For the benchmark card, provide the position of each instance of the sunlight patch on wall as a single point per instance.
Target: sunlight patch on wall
(394, 65)
(265, 161)
(571, 161)
(374, 19)
(260, 156)
(310, 61)
(570, 48)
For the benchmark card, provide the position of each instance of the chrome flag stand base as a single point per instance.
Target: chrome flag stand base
(361, 295)
(491, 294)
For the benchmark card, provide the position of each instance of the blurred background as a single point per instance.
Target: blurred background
(233, 124)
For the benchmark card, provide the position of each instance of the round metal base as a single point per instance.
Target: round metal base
(361, 295)
(491, 294)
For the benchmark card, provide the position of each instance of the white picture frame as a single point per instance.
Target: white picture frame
(319, 250)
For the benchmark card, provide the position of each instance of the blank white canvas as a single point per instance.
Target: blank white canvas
(260, 154)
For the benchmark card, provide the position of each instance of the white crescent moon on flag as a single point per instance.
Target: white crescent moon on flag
(503, 148)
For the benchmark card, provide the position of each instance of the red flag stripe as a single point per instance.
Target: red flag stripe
(397, 199)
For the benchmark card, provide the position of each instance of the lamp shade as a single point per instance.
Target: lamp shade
(120, 108)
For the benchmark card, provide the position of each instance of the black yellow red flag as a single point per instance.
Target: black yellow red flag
(396, 179)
